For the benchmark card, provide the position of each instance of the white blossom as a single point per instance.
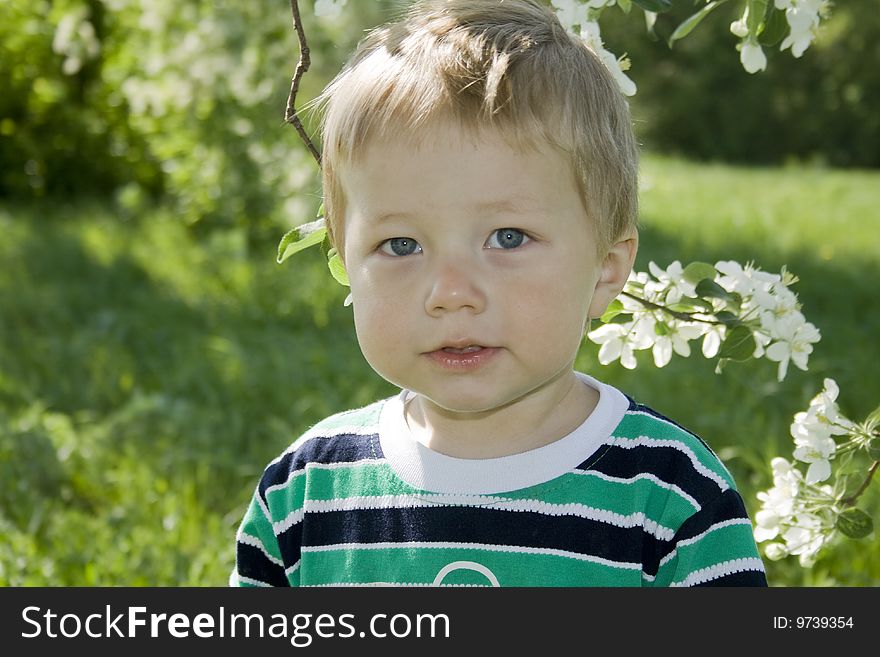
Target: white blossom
(742, 279)
(613, 338)
(803, 20)
(805, 536)
(794, 341)
(672, 278)
(712, 339)
(329, 8)
(676, 339)
(824, 407)
(589, 32)
(739, 28)
(775, 551)
(752, 56)
(798, 516)
(570, 12)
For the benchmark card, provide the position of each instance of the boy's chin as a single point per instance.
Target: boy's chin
(461, 405)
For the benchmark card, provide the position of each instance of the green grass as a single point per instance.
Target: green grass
(147, 375)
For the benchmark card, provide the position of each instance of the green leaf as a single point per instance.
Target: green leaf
(775, 28)
(728, 318)
(337, 268)
(622, 318)
(755, 21)
(650, 22)
(874, 449)
(626, 5)
(709, 289)
(874, 418)
(301, 237)
(658, 6)
(854, 523)
(613, 310)
(661, 329)
(689, 304)
(739, 344)
(687, 27)
(697, 271)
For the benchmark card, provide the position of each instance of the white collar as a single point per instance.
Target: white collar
(425, 469)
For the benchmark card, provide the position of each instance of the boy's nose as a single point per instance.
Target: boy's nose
(455, 287)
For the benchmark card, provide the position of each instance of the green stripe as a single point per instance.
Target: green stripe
(734, 542)
(283, 501)
(255, 524)
(659, 504)
(368, 416)
(421, 565)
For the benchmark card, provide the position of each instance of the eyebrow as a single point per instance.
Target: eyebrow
(489, 207)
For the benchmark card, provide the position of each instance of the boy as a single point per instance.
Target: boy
(479, 174)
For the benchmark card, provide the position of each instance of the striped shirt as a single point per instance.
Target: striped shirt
(627, 499)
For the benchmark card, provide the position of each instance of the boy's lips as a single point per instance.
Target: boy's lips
(460, 346)
(461, 355)
(466, 350)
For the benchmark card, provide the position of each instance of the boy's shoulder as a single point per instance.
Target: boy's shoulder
(343, 437)
(642, 427)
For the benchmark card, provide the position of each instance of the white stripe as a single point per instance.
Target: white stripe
(720, 570)
(698, 537)
(263, 508)
(377, 584)
(536, 506)
(253, 582)
(292, 518)
(398, 584)
(474, 546)
(632, 443)
(253, 541)
(644, 475)
(321, 466)
(293, 568)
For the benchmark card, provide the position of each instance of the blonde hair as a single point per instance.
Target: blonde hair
(506, 65)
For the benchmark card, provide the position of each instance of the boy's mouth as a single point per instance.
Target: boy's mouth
(463, 355)
(462, 350)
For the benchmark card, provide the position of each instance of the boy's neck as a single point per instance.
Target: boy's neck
(543, 417)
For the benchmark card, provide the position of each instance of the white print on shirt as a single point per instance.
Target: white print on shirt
(465, 565)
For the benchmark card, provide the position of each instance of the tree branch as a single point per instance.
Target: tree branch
(849, 501)
(290, 115)
(687, 317)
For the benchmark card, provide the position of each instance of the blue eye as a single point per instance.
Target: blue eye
(506, 238)
(400, 246)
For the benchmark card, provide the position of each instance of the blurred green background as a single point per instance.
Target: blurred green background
(154, 358)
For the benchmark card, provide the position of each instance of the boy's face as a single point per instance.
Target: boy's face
(473, 267)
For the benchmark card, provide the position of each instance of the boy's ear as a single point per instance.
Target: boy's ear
(616, 268)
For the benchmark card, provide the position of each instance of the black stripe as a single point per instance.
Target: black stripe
(251, 562)
(344, 448)
(745, 578)
(476, 525)
(727, 506)
(289, 542)
(666, 463)
(650, 411)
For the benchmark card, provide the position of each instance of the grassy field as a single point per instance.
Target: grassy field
(147, 376)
